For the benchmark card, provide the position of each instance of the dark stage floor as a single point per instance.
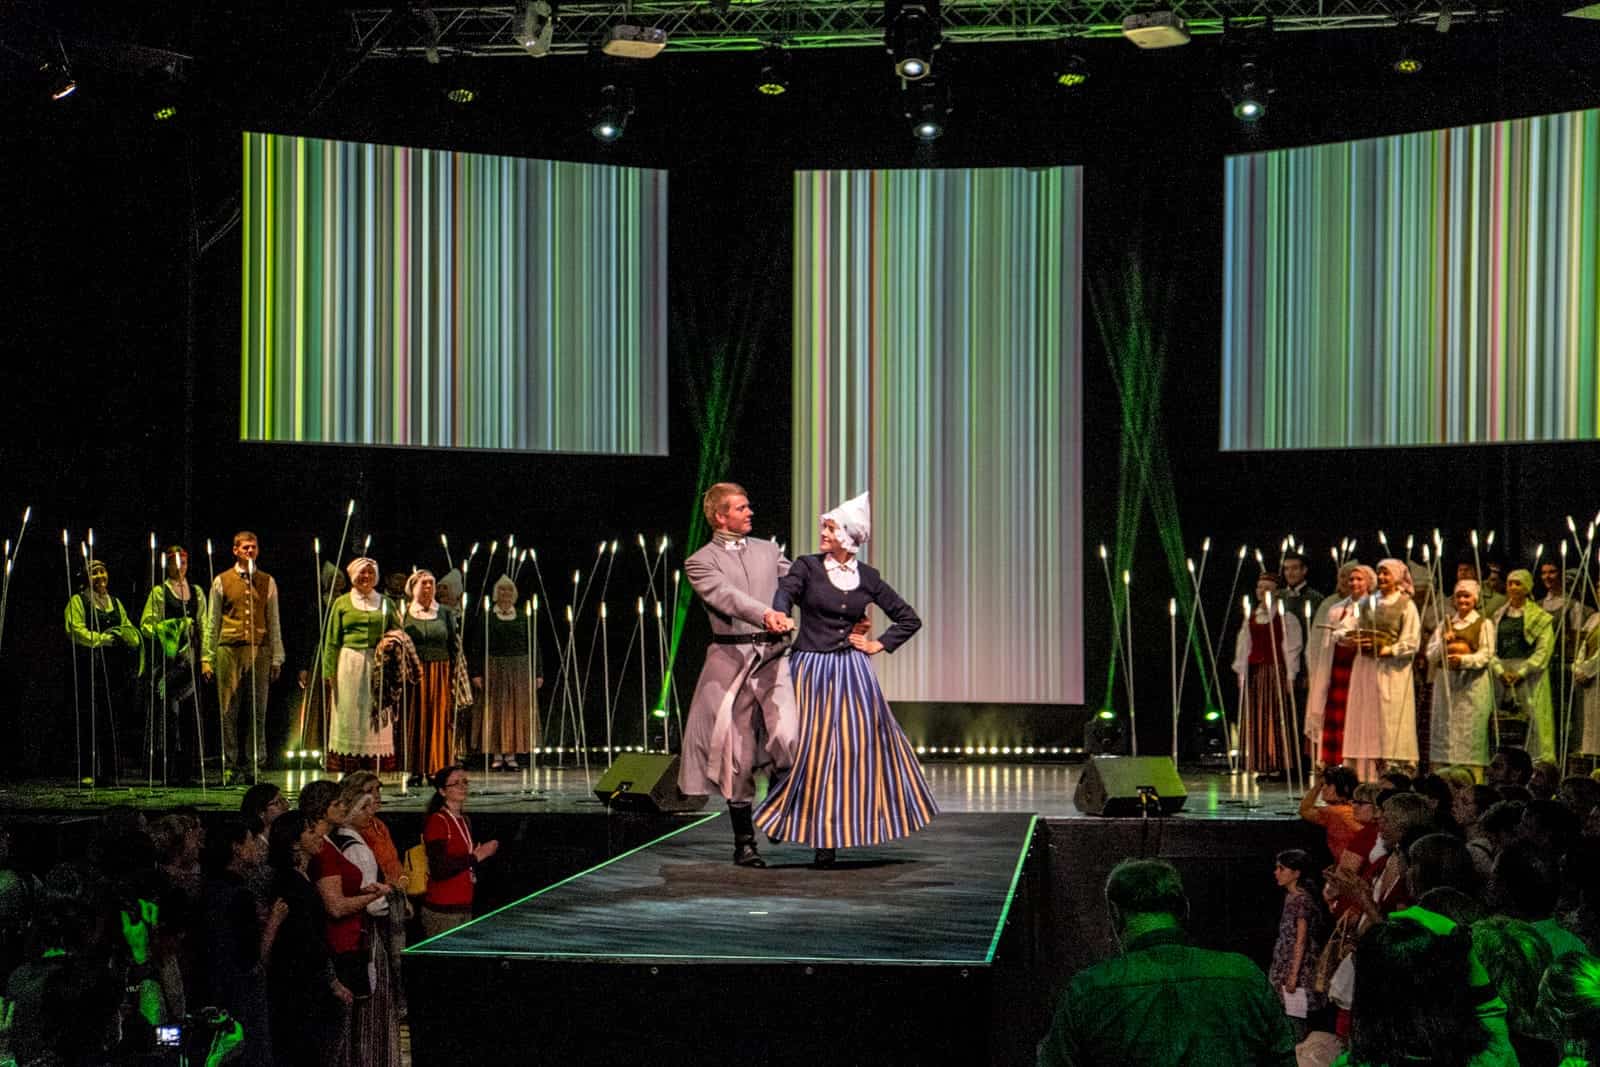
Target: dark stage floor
(938, 897)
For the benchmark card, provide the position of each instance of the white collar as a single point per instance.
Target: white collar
(425, 614)
(732, 544)
(831, 564)
(504, 616)
(370, 602)
(1459, 623)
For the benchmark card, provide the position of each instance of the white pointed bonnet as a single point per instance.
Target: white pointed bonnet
(854, 521)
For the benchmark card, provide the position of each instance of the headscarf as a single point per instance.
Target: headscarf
(448, 588)
(1421, 576)
(417, 576)
(1525, 577)
(502, 581)
(853, 519)
(1400, 572)
(355, 566)
(1470, 585)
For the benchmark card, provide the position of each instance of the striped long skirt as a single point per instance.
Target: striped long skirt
(429, 720)
(1338, 702)
(855, 779)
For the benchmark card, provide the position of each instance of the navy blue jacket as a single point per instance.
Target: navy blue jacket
(827, 614)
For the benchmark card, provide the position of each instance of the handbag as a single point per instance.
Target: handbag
(417, 870)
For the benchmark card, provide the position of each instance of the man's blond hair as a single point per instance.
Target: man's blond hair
(717, 497)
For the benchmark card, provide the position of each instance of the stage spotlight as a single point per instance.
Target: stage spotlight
(913, 35)
(1103, 735)
(536, 27)
(62, 83)
(1072, 72)
(773, 80)
(164, 112)
(1250, 91)
(1211, 738)
(461, 95)
(927, 107)
(610, 119)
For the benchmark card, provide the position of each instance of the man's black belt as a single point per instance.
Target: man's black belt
(758, 638)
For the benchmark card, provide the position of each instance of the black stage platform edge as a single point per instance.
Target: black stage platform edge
(780, 1012)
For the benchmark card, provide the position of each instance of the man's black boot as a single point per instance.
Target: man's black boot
(745, 853)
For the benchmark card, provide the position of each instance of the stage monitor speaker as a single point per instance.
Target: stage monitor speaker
(645, 781)
(1130, 785)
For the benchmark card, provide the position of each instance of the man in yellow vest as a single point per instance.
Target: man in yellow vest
(243, 650)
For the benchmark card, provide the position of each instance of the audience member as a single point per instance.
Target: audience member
(1526, 885)
(1439, 860)
(238, 944)
(1301, 929)
(1543, 779)
(1162, 1001)
(1510, 766)
(306, 997)
(1569, 996)
(1441, 801)
(453, 854)
(1335, 787)
(1515, 956)
(1421, 998)
(374, 1030)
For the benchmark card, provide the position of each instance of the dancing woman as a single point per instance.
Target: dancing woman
(855, 779)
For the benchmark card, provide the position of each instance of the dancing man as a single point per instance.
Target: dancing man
(742, 717)
(243, 650)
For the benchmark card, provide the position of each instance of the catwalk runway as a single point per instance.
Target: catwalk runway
(677, 948)
(939, 897)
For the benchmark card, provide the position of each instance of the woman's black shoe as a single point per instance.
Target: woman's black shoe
(824, 858)
(745, 853)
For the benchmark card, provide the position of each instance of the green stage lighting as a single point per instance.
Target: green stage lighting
(1073, 73)
(163, 113)
(461, 95)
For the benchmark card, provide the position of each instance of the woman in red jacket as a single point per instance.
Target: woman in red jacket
(453, 854)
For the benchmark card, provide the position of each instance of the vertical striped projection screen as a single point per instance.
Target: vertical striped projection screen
(1426, 289)
(937, 361)
(403, 296)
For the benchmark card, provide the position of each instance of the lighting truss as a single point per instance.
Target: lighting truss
(734, 26)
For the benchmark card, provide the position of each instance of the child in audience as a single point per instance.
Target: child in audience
(1300, 932)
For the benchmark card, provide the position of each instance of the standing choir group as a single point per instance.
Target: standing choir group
(391, 679)
(1388, 676)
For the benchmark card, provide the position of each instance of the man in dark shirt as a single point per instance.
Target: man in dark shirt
(1162, 1001)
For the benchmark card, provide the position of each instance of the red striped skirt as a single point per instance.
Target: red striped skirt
(1333, 708)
